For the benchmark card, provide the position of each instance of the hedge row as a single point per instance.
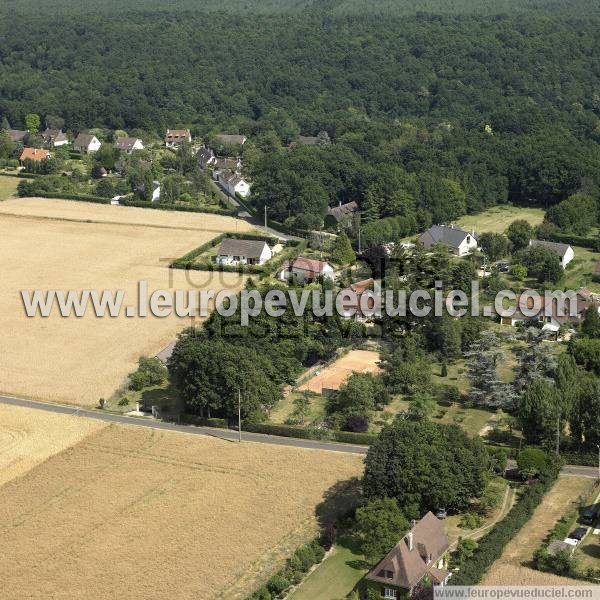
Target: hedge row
(214, 210)
(77, 197)
(492, 544)
(203, 421)
(22, 175)
(301, 562)
(580, 459)
(575, 240)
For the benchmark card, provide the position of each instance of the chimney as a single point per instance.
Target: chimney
(410, 540)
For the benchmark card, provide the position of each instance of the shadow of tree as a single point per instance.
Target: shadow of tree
(339, 502)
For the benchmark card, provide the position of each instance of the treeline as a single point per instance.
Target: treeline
(430, 117)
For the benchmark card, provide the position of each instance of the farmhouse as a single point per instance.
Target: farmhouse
(16, 135)
(417, 561)
(128, 144)
(243, 252)
(87, 143)
(564, 251)
(458, 241)
(36, 154)
(206, 157)
(55, 137)
(176, 137)
(231, 140)
(305, 269)
(341, 213)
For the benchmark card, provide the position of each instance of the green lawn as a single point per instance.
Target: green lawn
(579, 271)
(8, 187)
(336, 576)
(498, 218)
(285, 407)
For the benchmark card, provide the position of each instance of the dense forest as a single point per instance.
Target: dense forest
(430, 115)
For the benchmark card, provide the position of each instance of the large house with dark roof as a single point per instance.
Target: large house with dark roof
(55, 137)
(86, 142)
(418, 560)
(243, 252)
(175, 137)
(231, 139)
(564, 252)
(17, 135)
(128, 144)
(340, 214)
(458, 241)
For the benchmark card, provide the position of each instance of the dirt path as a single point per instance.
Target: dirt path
(511, 568)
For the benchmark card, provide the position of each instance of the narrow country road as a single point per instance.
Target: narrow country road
(227, 434)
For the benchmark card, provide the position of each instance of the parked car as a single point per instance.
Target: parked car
(589, 516)
(502, 267)
(441, 513)
(578, 534)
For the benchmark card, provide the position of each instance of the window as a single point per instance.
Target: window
(236, 258)
(390, 593)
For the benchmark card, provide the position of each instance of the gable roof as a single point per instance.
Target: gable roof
(444, 234)
(16, 135)
(126, 143)
(177, 135)
(343, 210)
(226, 163)
(308, 140)
(310, 264)
(248, 248)
(54, 135)
(404, 567)
(228, 138)
(84, 139)
(34, 154)
(204, 154)
(560, 249)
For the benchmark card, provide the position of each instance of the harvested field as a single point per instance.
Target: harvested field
(334, 375)
(99, 247)
(145, 514)
(511, 568)
(28, 438)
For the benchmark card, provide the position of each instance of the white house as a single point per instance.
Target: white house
(458, 241)
(55, 137)
(128, 144)
(243, 252)
(176, 137)
(305, 269)
(236, 184)
(87, 143)
(564, 251)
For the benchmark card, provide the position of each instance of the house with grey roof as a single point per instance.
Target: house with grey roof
(458, 241)
(231, 139)
(205, 157)
(55, 137)
(128, 144)
(86, 142)
(340, 214)
(243, 252)
(17, 135)
(418, 560)
(564, 252)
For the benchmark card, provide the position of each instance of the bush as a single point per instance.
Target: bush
(470, 520)
(532, 462)
(357, 423)
(277, 584)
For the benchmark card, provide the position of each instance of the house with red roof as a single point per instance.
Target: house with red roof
(36, 154)
(304, 270)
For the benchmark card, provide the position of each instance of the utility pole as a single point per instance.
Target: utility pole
(598, 445)
(239, 415)
(359, 240)
(265, 216)
(558, 436)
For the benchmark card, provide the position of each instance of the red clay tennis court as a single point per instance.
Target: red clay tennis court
(332, 376)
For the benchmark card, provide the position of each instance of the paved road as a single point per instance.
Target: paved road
(228, 434)
(225, 434)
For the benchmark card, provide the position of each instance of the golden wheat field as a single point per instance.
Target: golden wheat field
(130, 512)
(28, 438)
(512, 567)
(57, 244)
